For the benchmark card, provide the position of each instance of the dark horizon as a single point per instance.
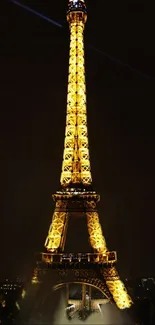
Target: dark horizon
(120, 102)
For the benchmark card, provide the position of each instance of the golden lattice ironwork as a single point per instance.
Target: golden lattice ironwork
(76, 163)
(97, 240)
(117, 288)
(57, 227)
(76, 177)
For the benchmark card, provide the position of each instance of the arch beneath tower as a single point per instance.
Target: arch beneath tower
(63, 284)
(76, 275)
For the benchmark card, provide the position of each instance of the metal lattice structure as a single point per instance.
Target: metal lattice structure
(76, 179)
(76, 163)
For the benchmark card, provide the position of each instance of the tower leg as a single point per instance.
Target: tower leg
(89, 297)
(117, 288)
(96, 237)
(63, 236)
(55, 238)
(83, 300)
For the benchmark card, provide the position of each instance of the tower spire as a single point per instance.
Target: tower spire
(76, 163)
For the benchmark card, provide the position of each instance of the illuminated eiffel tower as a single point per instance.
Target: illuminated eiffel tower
(76, 197)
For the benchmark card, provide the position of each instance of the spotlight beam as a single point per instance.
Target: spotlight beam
(36, 13)
(116, 60)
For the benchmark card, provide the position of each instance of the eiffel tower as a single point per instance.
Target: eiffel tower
(76, 198)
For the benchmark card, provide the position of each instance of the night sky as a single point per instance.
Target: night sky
(33, 89)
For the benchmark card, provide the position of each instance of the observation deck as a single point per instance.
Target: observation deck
(76, 194)
(77, 11)
(77, 5)
(72, 260)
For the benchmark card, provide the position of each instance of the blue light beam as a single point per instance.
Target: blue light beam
(36, 13)
(118, 61)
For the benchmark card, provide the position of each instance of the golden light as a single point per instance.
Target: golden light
(76, 167)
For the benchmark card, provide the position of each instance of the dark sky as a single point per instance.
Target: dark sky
(33, 87)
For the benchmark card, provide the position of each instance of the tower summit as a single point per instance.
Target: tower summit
(76, 199)
(76, 163)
